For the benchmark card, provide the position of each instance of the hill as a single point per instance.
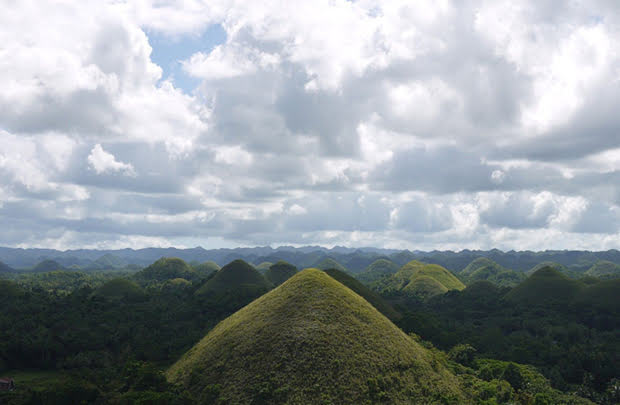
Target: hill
(547, 286)
(235, 275)
(263, 267)
(280, 272)
(421, 280)
(604, 269)
(329, 263)
(47, 265)
(166, 268)
(206, 268)
(109, 261)
(483, 268)
(372, 297)
(120, 288)
(312, 340)
(377, 270)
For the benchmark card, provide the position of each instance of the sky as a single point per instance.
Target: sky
(398, 124)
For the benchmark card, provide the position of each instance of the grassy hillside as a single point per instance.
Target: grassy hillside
(377, 270)
(280, 272)
(421, 280)
(486, 269)
(120, 288)
(604, 269)
(206, 268)
(329, 263)
(546, 286)
(235, 275)
(263, 267)
(47, 265)
(312, 340)
(372, 297)
(166, 268)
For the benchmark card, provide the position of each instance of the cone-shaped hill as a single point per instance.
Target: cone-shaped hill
(546, 286)
(166, 268)
(604, 269)
(263, 267)
(420, 280)
(378, 269)
(483, 268)
(236, 275)
(280, 272)
(372, 297)
(206, 268)
(329, 263)
(312, 340)
(120, 288)
(47, 265)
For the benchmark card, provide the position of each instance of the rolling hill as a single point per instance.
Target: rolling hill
(312, 340)
(546, 286)
(120, 288)
(486, 269)
(377, 270)
(205, 269)
(236, 275)
(604, 269)
(47, 265)
(280, 272)
(420, 280)
(329, 263)
(5, 269)
(166, 268)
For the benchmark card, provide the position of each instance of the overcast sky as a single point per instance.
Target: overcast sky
(401, 124)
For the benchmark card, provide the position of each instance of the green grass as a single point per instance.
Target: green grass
(372, 297)
(263, 267)
(329, 263)
(421, 280)
(312, 340)
(377, 270)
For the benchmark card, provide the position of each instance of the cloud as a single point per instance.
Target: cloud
(433, 124)
(102, 161)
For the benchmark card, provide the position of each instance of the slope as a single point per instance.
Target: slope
(547, 286)
(486, 269)
(166, 268)
(235, 275)
(604, 269)
(312, 340)
(372, 297)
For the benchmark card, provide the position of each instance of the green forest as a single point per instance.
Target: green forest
(175, 332)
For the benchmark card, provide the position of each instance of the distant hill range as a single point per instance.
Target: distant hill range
(353, 260)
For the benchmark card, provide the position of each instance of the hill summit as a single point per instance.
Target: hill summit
(312, 340)
(421, 280)
(236, 274)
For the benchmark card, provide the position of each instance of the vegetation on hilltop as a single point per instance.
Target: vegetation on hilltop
(483, 268)
(377, 270)
(166, 268)
(312, 339)
(329, 263)
(420, 280)
(604, 269)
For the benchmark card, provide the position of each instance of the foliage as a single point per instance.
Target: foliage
(377, 270)
(280, 272)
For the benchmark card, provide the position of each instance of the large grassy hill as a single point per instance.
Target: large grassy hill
(604, 269)
(47, 265)
(545, 286)
(377, 270)
(483, 268)
(167, 268)
(280, 272)
(329, 263)
(421, 280)
(236, 275)
(312, 340)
